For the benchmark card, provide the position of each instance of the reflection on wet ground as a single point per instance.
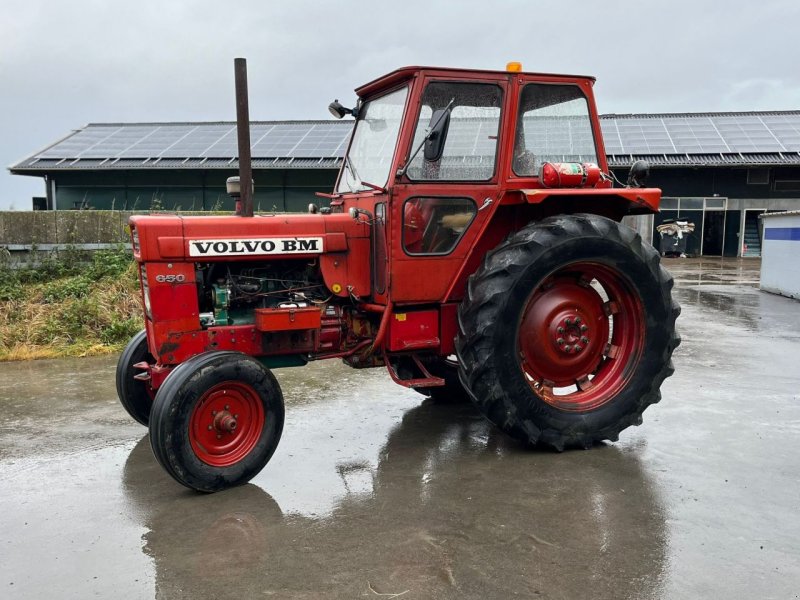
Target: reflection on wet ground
(447, 511)
(375, 492)
(711, 270)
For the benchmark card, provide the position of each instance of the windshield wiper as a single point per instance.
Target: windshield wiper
(348, 163)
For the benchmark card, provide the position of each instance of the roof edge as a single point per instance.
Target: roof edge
(742, 113)
(11, 168)
(196, 123)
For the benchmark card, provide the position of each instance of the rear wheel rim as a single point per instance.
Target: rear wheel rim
(226, 423)
(580, 336)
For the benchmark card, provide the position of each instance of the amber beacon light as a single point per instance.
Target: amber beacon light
(514, 67)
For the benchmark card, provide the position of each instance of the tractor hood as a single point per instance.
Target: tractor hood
(214, 238)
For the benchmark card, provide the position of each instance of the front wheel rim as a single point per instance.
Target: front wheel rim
(580, 336)
(226, 423)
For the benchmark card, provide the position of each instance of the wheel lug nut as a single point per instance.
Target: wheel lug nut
(560, 341)
(577, 320)
(584, 340)
(578, 348)
(568, 321)
(560, 330)
(568, 349)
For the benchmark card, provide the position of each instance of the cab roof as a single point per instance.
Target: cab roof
(405, 73)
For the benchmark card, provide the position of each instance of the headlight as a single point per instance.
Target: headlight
(145, 291)
(135, 240)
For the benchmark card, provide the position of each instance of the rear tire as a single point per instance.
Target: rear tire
(216, 421)
(567, 331)
(135, 396)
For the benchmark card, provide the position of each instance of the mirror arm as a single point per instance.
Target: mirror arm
(402, 170)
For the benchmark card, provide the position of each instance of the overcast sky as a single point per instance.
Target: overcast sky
(65, 64)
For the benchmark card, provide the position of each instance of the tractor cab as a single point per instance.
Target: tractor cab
(444, 161)
(432, 125)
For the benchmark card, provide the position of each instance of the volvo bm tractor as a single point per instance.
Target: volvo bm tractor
(473, 246)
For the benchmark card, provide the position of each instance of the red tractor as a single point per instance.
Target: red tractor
(473, 246)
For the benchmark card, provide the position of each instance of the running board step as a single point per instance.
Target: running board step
(394, 367)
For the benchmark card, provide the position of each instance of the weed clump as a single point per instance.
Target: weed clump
(72, 304)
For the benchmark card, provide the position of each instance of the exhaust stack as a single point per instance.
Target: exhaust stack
(244, 204)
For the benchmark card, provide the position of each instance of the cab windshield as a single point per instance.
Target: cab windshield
(369, 158)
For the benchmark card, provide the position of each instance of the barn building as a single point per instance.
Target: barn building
(718, 170)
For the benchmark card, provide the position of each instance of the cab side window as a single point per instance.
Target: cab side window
(470, 144)
(434, 225)
(554, 125)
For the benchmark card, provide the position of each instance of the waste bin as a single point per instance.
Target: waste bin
(674, 235)
(673, 244)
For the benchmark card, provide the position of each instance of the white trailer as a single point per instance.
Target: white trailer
(780, 253)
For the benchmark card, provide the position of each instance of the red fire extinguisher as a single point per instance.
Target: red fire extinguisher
(569, 175)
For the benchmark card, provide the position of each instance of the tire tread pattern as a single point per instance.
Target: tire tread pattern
(167, 444)
(487, 291)
(132, 395)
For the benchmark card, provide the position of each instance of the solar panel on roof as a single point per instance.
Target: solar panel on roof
(699, 135)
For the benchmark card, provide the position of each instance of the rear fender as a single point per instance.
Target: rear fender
(613, 203)
(517, 208)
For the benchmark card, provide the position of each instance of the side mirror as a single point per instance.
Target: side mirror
(336, 109)
(339, 111)
(639, 174)
(434, 145)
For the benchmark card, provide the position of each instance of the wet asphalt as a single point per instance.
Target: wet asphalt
(375, 492)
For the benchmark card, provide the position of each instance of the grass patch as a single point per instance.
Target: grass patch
(68, 307)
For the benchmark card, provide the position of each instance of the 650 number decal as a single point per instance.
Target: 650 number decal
(170, 278)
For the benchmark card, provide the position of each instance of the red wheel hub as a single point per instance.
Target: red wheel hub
(226, 423)
(579, 330)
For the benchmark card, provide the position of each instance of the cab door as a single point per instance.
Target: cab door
(439, 206)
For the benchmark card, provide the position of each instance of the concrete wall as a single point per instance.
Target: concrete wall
(28, 237)
(63, 227)
(69, 227)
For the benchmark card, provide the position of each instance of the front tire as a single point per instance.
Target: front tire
(216, 421)
(135, 396)
(567, 331)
